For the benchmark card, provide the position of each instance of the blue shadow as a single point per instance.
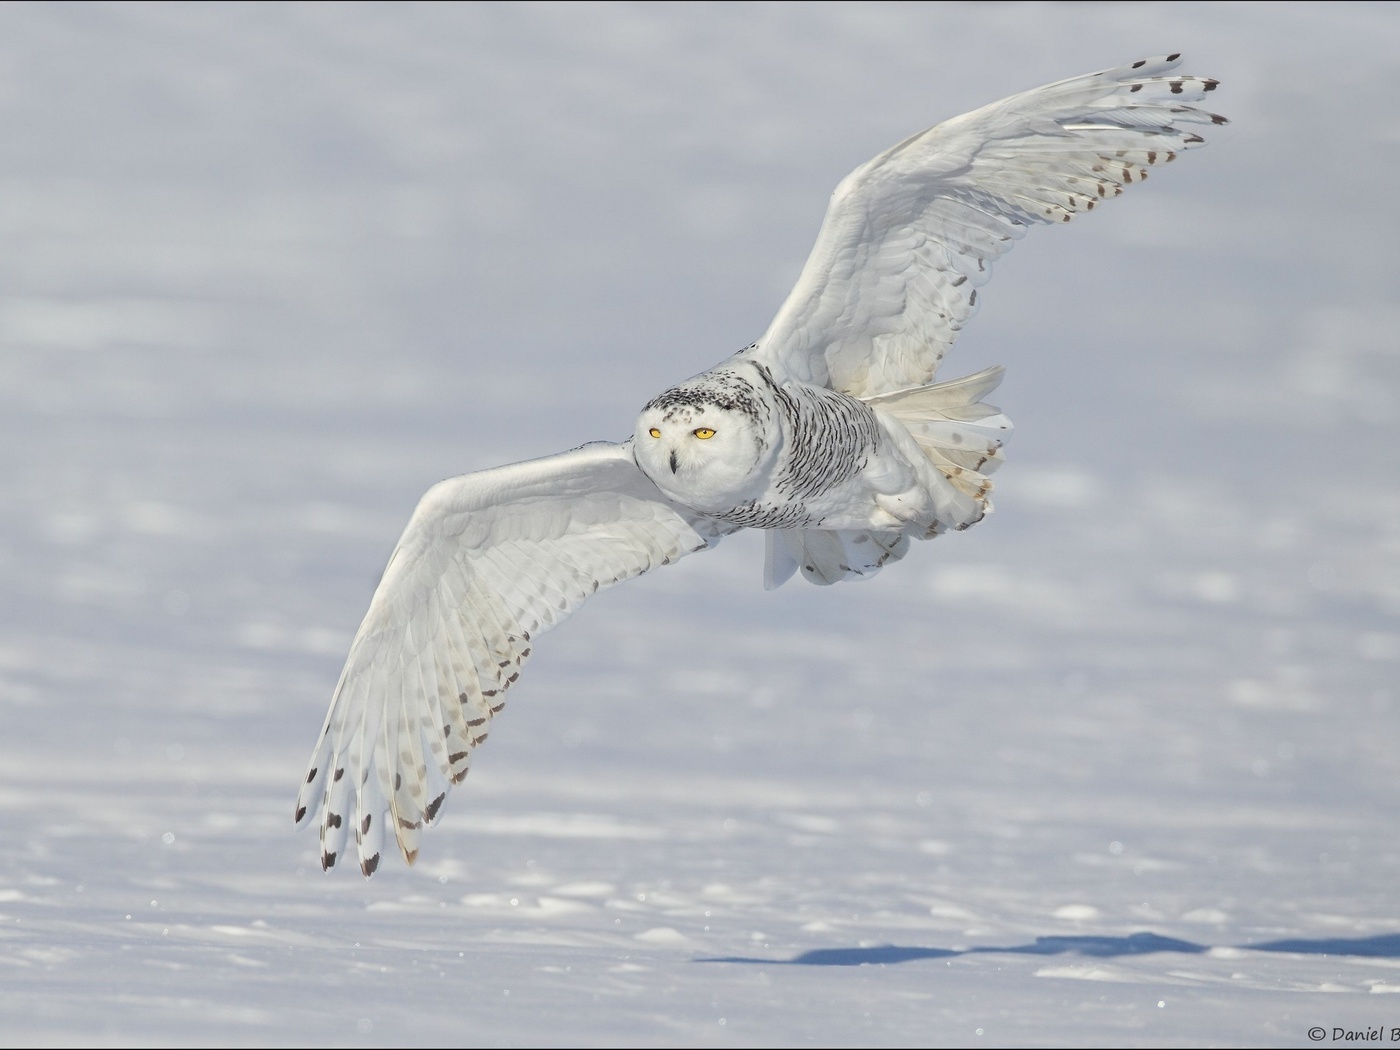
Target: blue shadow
(1382, 946)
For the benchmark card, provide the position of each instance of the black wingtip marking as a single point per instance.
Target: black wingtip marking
(327, 861)
(364, 825)
(435, 805)
(339, 773)
(368, 867)
(1173, 58)
(1138, 65)
(312, 775)
(301, 812)
(332, 821)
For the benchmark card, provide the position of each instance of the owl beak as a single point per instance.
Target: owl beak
(674, 465)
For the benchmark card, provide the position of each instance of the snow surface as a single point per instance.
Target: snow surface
(1120, 766)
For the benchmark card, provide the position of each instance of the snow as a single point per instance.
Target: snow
(1119, 766)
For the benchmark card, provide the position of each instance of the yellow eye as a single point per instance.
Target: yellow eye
(704, 433)
(654, 432)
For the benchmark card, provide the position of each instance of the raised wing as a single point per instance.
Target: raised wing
(488, 561)
(910, 236)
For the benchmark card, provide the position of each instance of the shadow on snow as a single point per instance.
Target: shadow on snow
(1384, 946)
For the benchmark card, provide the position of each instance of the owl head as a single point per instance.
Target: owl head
(706, 443)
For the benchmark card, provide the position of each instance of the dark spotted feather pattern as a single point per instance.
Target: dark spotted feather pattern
(910, 236)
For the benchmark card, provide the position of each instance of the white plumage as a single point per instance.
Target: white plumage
(829, 433)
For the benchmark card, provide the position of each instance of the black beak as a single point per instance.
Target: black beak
(674, 464)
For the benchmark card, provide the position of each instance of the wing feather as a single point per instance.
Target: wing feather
(488, 561)
(909, 237)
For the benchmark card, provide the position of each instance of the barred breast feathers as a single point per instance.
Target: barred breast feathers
(828, 439)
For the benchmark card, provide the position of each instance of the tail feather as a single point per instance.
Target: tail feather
(958, 433)
(953, 395)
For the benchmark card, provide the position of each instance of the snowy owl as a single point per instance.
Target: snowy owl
(829, 433)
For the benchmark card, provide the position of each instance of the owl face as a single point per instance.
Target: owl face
(700, 454)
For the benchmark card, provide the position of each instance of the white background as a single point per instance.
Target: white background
(1118, 766)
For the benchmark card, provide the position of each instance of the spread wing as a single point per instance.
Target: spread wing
(488, 561)
(910, 236)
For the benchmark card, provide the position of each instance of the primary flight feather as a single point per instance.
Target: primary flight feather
(829, 433)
